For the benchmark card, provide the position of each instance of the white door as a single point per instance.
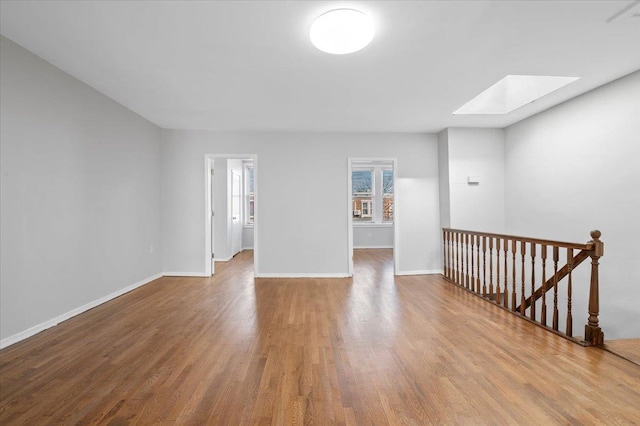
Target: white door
(211, 181)
(236, 208)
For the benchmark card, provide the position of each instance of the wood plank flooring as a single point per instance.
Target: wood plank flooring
(626, 348)
(378, 349)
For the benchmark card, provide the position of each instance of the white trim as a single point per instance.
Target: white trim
(421, 272)
(246, 248)
(223, 259)
(7, 341)
(372, 247)
(185, 274)
(373, 225)
(396, 220)
(209, 207)
(302, 275)
(350, 217)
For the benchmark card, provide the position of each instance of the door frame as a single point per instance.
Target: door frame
(207, 256)
(396, 239)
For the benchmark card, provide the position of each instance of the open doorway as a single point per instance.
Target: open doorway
(231, 194)
(372, 207)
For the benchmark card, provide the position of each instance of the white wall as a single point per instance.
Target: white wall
(373, 236)
(465, 152)
(302, 185)
(476, 152)
(221, 234)
(443, 179)
(80, 195)
(574, 168)
(247, 238)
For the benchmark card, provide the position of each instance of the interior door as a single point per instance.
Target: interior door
(212, 181)
(236, 208)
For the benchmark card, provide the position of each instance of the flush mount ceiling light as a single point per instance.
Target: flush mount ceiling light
(512, 92)
(341, 31)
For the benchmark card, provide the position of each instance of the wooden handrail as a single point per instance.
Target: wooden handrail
(505, 269)
(563, 244)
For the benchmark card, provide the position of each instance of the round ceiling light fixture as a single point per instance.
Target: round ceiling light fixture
(341, 31)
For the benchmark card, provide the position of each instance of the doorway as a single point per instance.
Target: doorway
(230, 198)
(236, 222)
(372, 206)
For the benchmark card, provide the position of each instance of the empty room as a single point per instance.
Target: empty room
(319, 212)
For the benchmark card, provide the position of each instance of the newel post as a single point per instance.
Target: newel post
(593, 334)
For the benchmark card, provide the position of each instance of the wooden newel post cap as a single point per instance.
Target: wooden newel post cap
(598, 245)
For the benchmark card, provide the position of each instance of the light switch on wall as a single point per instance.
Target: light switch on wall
(473, 180)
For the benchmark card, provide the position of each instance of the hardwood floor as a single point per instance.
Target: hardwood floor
(377, 349)
(626, 348)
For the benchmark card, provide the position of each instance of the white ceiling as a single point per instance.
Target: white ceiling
(249, 65)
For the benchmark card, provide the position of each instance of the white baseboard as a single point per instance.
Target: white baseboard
(421, 272)
(222, 259)
(373, 247)
(302, 275)
(185, 274)
(7, 341)
(247, 248)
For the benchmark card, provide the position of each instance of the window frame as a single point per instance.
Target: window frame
(386, 195)
(369, 198)
(377, 196)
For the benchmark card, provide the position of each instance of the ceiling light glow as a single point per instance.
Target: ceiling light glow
(512, 92)
(341, 31)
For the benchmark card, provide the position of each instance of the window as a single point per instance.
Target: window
(366, 209)
(387, 195)
(362, 189)
(372, 191)
(248, 197)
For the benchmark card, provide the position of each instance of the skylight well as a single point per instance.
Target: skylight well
(513, 92)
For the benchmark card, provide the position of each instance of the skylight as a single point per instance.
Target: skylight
(512, 92)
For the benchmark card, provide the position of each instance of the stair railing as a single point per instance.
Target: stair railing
(504, 269)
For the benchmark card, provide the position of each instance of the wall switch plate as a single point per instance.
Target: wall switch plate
(473, 180)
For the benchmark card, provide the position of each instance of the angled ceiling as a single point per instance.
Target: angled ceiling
(249, 66)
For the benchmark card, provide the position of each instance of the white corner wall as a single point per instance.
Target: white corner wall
(221, 245)
(247, 237)
(302, 198)
(465, 152)
(443, 179)
(574, 168)
(80, 196)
